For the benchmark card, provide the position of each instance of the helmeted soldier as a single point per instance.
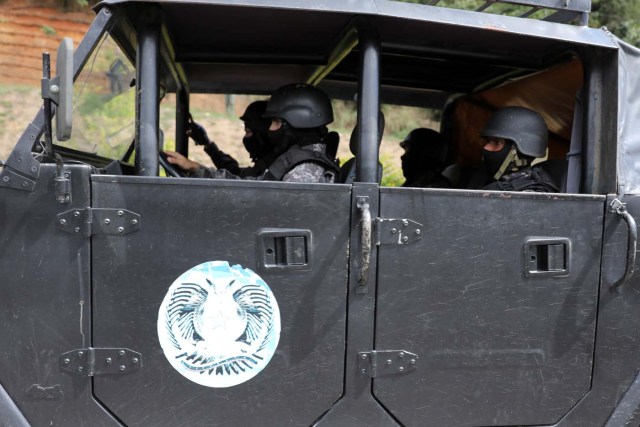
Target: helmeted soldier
(255, 141)
(426, 154)
(515, 136)
(299, 114)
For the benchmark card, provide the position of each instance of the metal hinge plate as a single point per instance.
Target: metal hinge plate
(379, 363)
(92, 221)
(100, 361)
(397, 231)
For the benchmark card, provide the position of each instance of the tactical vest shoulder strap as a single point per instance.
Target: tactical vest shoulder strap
(293, 157)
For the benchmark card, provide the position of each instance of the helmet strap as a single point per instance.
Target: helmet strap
(512, 161)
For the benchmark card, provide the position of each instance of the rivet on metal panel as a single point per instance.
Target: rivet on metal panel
(388, 361)
(120, 229)
(107, 221)
(24, 184)
(122, 367)
(134, 360)
(67, 361)
(5, 178)
(120, 213)
(363, 371)
(63, 221)
(405, 239)
(76, 213)
(364, 357)
(108, 360)
(80, 353)
(80, 369)
(77, 229)
(412, 361)
(121, 353)
(394, 231)
(400, 369)
(134, 221)
(405, 222)
(401, 354)
(418, 231)
(34, 169)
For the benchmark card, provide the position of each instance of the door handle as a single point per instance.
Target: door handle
(284, 248)
(620, 208)
(547, 256)
(365, 239)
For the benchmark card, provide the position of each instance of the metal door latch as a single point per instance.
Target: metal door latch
(100, 361)
(379, 363)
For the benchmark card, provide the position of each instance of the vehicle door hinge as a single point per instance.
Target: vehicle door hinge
(379, 363)
(91, 221)
(397, 231)
(100, 361)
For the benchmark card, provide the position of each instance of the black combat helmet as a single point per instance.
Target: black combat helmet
(526, 128)
(303, 106)
(253, 117)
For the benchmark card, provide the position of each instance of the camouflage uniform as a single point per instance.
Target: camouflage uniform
(304, 172)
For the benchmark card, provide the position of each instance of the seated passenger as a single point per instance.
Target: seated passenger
(255, 141)
(299, 114)
(348, 169)
(424, 159)
(515, 136)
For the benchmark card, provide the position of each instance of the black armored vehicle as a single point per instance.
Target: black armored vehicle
(132, 297)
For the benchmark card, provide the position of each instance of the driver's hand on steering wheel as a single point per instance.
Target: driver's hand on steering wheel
(181, 161)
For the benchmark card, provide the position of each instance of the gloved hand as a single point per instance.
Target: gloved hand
(197, 133)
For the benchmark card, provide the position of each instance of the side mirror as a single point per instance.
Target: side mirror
(64, 78)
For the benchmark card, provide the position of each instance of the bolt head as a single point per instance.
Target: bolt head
(121, 353)
(388, 361)
(80, 369)
(66, 361)
(401, 354)
(55, 89)
(400, 369)
(122, 367)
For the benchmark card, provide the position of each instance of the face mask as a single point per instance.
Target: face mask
(493, 159)
(256, 146)
(280, 139)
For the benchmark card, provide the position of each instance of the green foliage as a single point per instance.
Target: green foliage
(391, 173)
(48, 30)
(621, 17)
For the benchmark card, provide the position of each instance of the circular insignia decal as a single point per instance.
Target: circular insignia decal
(219, 325)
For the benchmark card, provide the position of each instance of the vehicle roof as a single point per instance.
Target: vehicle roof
(427, 52)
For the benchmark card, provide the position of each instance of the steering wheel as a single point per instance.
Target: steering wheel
(169, 168)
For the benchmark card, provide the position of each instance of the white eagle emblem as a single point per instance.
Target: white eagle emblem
(218, 325)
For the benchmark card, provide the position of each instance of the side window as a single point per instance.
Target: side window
(104, 104)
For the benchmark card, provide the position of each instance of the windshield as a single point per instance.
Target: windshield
(104, 104)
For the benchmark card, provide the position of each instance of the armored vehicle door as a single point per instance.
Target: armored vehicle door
(269, 258)
(496, 293)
